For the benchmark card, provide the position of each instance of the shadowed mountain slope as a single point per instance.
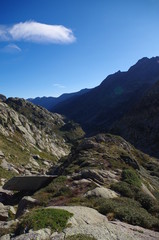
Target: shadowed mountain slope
(141, 125)
(50, 102)
(98, 109)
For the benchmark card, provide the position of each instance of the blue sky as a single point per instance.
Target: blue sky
(48, 47)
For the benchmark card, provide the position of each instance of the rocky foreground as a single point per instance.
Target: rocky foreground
(90, 223)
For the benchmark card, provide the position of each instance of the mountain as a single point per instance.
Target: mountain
(27, 130)
(50, 102)
(140, 126)
(98, 109)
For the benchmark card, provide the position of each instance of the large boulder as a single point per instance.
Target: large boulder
(28, 183)
(101, 192)
(25, 202)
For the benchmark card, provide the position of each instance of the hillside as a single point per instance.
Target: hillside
(104, 187)
(98, 109)
(50, 102)
(26, 131)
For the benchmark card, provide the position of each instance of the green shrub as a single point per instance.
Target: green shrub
(56, 219)
(128, 210)
(123, 188)
(145, 200)
(80, 237)
(130, 176)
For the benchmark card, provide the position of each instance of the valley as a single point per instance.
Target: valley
(96, 164)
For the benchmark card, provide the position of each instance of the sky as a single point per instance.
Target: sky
(50, 47)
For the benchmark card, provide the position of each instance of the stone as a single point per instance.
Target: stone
(5, 165)
(2, 155)
(102, 192)
(5, 237)
(46, 163)
(92, 174)
(34, 162)
(12, 210)
(24, 203)
(81, 181)
(42, 234)
(3, 212)
(28, 183)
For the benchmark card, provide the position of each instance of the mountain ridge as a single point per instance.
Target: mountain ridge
(49, 102)
(108, 102)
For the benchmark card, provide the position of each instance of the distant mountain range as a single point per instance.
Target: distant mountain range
(50, 102)
(102, 106)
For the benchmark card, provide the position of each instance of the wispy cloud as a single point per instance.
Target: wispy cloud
(58, 85)
(32, 31)
(11, 48)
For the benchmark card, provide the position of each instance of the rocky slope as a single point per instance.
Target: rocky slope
(98, 109)
(105, 173)
(30, 134)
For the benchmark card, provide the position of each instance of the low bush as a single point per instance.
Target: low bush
(56, 219)
(123, 188)
(131, 177)
(145, 200)
(56, 188)
(128, 210)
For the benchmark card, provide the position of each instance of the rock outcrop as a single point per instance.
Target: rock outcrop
(89, 222)
(32, 130)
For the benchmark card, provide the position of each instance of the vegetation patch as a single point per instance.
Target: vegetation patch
(56, 219)
(123, 188)
(54, 189)
(131, 177)
(80, 237)
(128, 210)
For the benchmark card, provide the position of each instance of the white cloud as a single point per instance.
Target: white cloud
(58, 85)
(11, 48)
(37, 32)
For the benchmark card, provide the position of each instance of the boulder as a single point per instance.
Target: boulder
(25, 203)
(28, 183)
(102, 192)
